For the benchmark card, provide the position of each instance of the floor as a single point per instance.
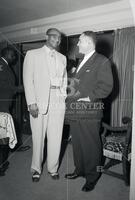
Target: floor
(17, 184)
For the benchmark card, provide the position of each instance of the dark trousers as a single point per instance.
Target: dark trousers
(4, 146)
(4, 151)
(87, 149)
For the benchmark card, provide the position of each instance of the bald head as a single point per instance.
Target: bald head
(87, 42)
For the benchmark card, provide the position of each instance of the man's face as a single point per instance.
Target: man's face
(54, 39)
(84, 44)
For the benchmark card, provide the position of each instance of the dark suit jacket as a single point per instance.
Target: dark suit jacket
(7, 86)
(93, 80)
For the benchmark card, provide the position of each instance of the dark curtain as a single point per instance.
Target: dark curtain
(123, 58)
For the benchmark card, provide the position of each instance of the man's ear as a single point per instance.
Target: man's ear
(46, 37)
(59, 43)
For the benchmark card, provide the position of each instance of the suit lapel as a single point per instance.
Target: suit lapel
(59, 65)
(57, 60)
(45, 60)
(87, 65)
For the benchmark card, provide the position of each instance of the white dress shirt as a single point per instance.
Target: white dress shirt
(4, 60)
(53, 68)
(86, 57)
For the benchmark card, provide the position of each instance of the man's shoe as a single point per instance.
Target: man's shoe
(35, 177)
(23, 148)
(54, 176)
(88, 187)
(72, 176)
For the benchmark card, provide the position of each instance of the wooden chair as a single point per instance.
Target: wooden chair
(117, 147)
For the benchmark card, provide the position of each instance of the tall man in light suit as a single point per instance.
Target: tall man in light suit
(45, 79)
(93, 82)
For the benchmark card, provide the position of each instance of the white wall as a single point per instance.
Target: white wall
(106, 17)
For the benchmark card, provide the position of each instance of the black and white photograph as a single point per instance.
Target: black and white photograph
(67, 99)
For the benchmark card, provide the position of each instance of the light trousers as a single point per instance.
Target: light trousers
(50, 125)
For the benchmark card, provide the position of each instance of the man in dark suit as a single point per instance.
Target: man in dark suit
(92, 82)
(7, 90)
(7, 79)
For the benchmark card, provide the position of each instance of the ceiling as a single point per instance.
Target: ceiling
(18, 11)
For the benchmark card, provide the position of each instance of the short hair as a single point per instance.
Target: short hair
(91, 35)
(7, 50)
(52, 29)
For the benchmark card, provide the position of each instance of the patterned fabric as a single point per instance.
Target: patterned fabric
(7, 130)
(114, 147)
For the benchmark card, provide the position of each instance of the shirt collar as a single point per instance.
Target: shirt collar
(89, 54)
(48, 50)
(4, 60)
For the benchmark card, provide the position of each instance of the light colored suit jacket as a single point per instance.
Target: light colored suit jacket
(36, 77)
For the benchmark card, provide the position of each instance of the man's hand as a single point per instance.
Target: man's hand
(33, 109)
(72, 86)
(87, 99)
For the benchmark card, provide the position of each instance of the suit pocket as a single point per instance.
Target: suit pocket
(87, 70)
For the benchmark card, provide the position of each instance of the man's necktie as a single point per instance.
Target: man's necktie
(53, 64)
